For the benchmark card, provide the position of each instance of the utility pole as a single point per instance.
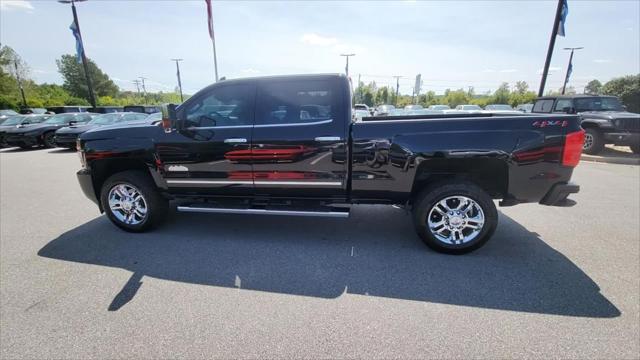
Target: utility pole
(144, 89)
(346, 68)
(552, 44)
(24, 99)
(359, 94)
(137, 82)
(178, 73)
(397, 87)
(569, 67)
(92, 97)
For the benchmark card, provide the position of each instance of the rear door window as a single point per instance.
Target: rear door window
(296, 102)
(561, 104)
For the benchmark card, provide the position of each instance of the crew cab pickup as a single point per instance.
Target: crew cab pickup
(604, 119)
(288, 146)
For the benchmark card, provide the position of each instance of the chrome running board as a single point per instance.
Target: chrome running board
(333, 212)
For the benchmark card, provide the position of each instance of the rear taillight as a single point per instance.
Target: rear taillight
(573, 148)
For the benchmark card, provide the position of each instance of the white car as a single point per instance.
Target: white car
(469, 109)
(439, 107)
(384, 110)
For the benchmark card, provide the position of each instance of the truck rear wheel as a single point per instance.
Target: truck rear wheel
(593, 141)
(454, 218)
(132, 202)
(48, 140)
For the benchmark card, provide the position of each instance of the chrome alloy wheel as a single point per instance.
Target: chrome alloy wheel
(127, 204)
(455, 220)
(588, 141)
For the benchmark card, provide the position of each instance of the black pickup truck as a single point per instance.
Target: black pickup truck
(289, 146)
(604, 119)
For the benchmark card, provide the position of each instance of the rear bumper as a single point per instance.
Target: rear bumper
(622, 138)
(86, 184)
(557, 196)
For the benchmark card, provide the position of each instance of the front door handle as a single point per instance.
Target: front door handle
(328, 138)
(235, 141)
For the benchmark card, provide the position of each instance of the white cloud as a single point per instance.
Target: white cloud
(552, 69)
(508, 70)
(488, 71)
(8, 5)
(315, 39)
(601, 61)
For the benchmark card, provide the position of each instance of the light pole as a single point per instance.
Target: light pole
(178, 73)
(346, 69)
(92, 97)
(24, 99)
(397, 87)
(144, 88)
(569, 67)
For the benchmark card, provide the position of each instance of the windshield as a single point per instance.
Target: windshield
(597, 104)
(154, 117)
(8, 112)
(13, 120)
(439, 107)
(105, 119)
(60, 119)
(471, 107)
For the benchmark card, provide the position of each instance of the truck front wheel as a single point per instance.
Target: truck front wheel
(132, 202)
(593, 141)
(454, 218)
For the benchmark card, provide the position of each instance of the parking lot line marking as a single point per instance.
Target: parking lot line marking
(352, 251)
(315, 161)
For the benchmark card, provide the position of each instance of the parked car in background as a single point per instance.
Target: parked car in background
(499, 107)
(384, 110)
(105, 109)
(4, 114)
(66, 136)
(604, 118)
(42, 134)
(358, 114)
(68, 109)
(413, 107)
(27, 111)
(19, 120)
(525, 108)
(147, 109)
(364, 107)
(439, 107)
(154, 118)
(469, 108)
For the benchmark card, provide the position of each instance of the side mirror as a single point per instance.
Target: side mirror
(568, 110)
(72, 122)
(169, 118)
(624, 107)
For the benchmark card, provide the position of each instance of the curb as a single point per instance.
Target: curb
(611, 159)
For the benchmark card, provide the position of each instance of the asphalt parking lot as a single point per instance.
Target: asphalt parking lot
(553, 282)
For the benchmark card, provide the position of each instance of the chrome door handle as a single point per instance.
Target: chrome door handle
(328, 138)
(235, 141)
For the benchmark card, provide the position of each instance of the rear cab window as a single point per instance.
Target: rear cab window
(543, 106)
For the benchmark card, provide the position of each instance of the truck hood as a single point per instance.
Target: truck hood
(609, 115)
(142, 129)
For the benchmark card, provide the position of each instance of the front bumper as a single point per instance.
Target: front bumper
(65, 141)
(558, 194)
(86, 184)
(21, 140)
(622, 138)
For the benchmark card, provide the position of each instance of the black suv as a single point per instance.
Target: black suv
(604, 119)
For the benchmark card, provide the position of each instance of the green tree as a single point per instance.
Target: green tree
(627, 88)
(501, 95)
(594, 87)
(521, 87)
(75, 82)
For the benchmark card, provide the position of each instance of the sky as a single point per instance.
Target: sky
(452, 44)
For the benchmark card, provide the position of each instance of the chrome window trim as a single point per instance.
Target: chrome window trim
(195, 128)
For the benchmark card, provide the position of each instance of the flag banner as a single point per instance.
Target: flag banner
(76, 34)
(563, 17)
(209, 18)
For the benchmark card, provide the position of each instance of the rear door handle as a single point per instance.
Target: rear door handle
(235, 141)
(328, 138)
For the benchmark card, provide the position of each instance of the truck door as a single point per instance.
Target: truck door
(300, 139)
(203, 155)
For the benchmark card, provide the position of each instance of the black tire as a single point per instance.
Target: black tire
(48, 140)
(593, 141)
(25, 147)
(156, 206)
(429, 198)
(635, 148)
